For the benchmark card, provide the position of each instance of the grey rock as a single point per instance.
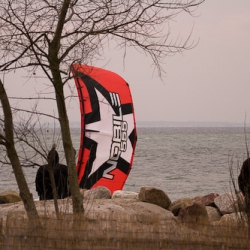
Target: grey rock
(97, 193)
(194, 214)
(124, 195)
(127, 210)
(155, 196)
(238, 218)
(207, 200)
(178, 204)
(9, 196)
(213, 214)
(227, 203)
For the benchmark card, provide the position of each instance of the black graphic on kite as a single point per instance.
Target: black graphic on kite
(108, 130)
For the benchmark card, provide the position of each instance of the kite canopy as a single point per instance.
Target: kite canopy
(108, 131)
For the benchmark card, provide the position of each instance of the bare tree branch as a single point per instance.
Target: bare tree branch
(52, 35)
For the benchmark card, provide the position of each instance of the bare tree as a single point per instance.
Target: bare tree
(8, 141)
(33, 141)
(52, 35)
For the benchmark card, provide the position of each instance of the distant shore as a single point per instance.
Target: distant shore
(149, 124)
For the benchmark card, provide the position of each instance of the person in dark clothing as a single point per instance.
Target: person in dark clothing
(244, 178)
(60, 173)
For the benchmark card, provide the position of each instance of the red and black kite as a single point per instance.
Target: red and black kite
(108, 130)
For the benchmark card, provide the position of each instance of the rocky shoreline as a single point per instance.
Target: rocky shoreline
(149, 212)
(212, 208)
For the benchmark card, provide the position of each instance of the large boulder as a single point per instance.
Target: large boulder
(236, 219)
(126, 210)
(193, 215)
(155, 196)
(9, 196)
(227, 203)
(178, 204)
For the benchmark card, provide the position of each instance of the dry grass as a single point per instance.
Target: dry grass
(118, 233)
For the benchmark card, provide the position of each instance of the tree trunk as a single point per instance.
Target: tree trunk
(67, 141)
(12, 154)
(69, 150)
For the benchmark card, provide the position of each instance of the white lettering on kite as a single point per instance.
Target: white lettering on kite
(119, 139)
(106, 173)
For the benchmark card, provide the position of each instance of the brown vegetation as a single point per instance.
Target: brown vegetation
(122, 223)
(62, 233)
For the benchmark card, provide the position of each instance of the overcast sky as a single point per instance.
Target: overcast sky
(209, 83)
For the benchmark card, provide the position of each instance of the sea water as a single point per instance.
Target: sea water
(183, 162)
(187, 162)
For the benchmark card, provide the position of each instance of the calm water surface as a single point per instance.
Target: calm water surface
(184, 162)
